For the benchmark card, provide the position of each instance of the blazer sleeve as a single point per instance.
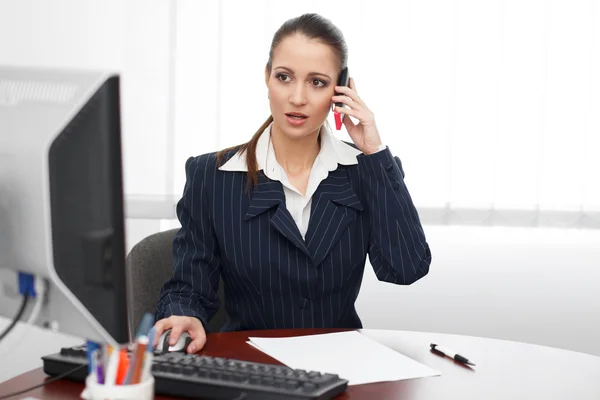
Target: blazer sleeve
(398, 250)
(193, 289)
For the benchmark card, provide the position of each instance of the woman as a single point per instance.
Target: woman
(288, 219)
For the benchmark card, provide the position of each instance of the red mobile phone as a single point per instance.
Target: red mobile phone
(343, 80)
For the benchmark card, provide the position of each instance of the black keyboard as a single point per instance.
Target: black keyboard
(204, 377)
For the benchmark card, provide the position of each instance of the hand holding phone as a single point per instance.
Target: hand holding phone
(364, 134)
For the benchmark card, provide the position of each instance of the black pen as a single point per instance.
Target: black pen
(448, 353)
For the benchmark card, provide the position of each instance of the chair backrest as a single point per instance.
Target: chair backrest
(149, 265)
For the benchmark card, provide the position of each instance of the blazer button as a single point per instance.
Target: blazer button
(396, 185)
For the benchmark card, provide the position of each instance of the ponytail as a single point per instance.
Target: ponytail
(250, 149)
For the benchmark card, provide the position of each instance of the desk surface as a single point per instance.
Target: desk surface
(505, 370)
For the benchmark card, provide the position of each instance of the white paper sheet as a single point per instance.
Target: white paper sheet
(351, 355)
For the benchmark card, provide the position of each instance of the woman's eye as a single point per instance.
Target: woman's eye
(283, 77)
(318, 83)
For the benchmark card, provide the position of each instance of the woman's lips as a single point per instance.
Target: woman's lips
(295, 119)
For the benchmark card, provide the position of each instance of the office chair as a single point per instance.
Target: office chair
(149, 265)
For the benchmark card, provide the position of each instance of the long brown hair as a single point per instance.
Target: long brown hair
(313, 26)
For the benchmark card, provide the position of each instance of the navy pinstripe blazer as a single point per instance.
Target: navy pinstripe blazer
(273, 277)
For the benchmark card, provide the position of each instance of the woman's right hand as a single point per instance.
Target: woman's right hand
(177, 324)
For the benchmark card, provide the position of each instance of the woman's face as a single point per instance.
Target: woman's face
(302, 82)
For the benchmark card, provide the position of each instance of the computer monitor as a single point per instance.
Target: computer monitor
(61, 198)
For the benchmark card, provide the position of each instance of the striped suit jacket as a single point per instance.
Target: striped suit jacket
(273, 277)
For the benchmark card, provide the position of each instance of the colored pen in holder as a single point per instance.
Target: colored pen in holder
(116, 375)
(109, 380)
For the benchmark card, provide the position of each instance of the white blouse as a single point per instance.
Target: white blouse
(333, 152)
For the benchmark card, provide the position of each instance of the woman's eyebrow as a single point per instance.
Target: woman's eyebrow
(309, 74)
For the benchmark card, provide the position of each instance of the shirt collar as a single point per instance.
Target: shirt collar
(333, 152)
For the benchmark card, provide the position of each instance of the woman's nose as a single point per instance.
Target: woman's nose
(298, 95)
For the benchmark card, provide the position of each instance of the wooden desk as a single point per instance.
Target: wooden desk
(505, 370)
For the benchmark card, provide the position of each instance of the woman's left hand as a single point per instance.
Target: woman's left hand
(364, 134)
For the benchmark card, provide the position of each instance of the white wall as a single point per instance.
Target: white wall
(130, 37)
(531, 285)
(22, 349)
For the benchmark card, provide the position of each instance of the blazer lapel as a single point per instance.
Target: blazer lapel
(334, 206)
(269, 194)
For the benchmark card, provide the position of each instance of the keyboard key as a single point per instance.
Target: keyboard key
(327, 377)
(226, 376)
(268, 380)
(292, 385)
(239, 377)
(156, 367)
(279, 382)
(309, 387)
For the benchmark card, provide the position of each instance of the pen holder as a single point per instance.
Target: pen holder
(139, 391)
